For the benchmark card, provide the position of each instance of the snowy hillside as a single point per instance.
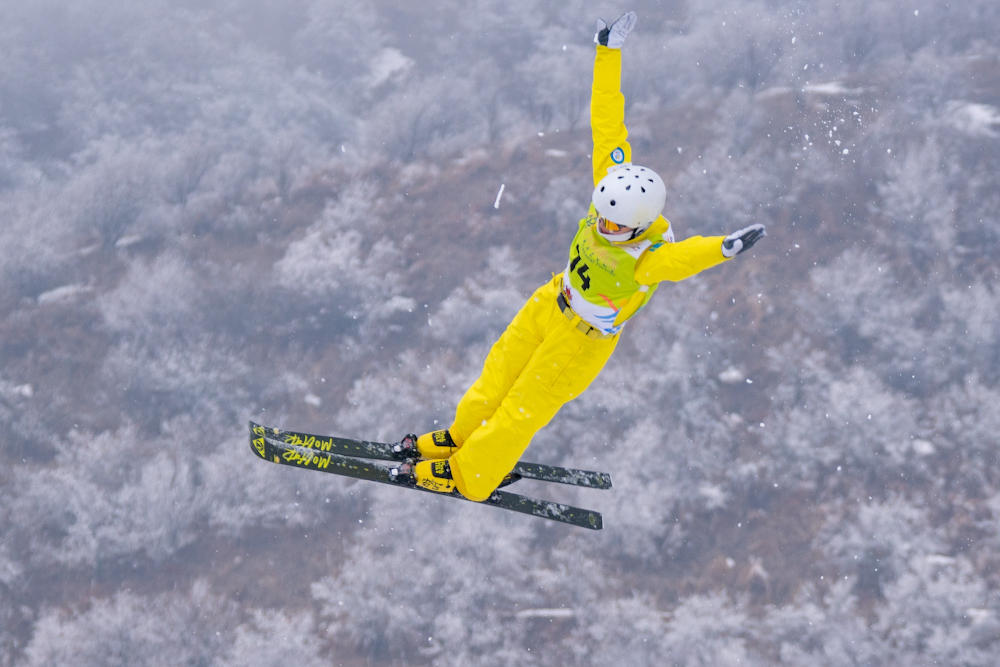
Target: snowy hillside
(284, 211)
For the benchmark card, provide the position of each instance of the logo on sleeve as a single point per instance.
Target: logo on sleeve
(618, 156)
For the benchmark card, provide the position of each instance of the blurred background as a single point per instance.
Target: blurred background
(214, 211)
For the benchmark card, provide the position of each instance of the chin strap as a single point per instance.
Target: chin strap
(639, 231)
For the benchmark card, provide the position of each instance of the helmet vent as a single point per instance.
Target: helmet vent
(628, 187)
(642, 188)
(602, 188)
(650, 180)
(612, 202)
(620, 177)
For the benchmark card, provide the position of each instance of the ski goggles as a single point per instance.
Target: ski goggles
(611, 227)
(617, 233)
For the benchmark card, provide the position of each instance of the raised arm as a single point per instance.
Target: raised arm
(607, 104)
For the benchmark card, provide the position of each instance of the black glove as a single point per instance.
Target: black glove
(613, 36)
(742, 240)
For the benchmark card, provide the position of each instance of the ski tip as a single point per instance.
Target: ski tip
(258, 446)
(257, 443)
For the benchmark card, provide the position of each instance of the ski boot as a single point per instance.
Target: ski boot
(433, 475)
(436, 445)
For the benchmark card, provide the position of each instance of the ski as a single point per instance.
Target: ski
(300, 456)
(366, 449)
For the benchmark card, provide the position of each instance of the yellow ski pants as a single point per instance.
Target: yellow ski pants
(541, 362)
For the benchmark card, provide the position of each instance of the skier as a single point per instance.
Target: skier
(562, 337)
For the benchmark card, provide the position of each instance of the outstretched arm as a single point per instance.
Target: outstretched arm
(607, 104)
(677, 261)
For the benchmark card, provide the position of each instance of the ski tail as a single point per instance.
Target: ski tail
(546, 509)
(572, 476)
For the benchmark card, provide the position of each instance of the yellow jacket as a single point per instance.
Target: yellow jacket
(662, 259)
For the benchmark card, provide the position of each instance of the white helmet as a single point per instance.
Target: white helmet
(630, 196)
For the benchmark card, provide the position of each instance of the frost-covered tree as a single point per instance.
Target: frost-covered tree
(130, 629)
